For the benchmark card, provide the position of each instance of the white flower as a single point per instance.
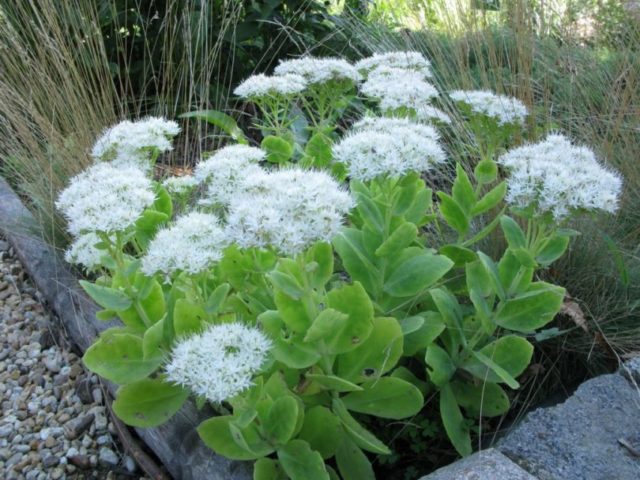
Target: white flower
(501, 107)
(218, 363)
(261, 85)
(396, 88)
(133, 142)
(106, 198)
(224, 172)
(319, 70)
(83, 251)
(192, 244)
(288, 210)
(559, 177)
(406, 60)
(179, 185)
(428, 113)
(388, 147)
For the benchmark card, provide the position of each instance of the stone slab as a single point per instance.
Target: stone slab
(583, 438)
(484, 465)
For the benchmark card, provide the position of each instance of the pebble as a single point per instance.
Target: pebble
(54, 424)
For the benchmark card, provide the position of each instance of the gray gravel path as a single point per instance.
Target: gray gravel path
(53, 423)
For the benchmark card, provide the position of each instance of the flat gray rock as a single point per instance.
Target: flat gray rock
(583, 438)
(485, 465)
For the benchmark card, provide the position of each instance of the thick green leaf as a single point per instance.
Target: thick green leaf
(319, 267)
(531, 310)
(486, 171)
(268, 469)
(432, 327)
(486, 399)
(188, 318)
(216, 434)
(552, 250)
(376, 356)
(417, 274)
(322, 430)
(106, 297)
(148, 402)
(353, 301)
(352, 462)
(281, 420)
(319, 151)
(408, 376)
(333, 383)
(513, 233)
(490, 200)
(286, 283)
(440, 367)
(325, 325)
(120, 358)
(453, 213)
(401, 237)
(360, 435)
(293, 312)
(454, 423)
(221, 120)
(302, 463)
(217, 298)
(387, 397)
(502, 374)
(153, 341)
(459, 255)
(492, 271)
(163, 202)
(277, 148)
(511, 353)
(349, 245)
(287, 348)
(462, 190)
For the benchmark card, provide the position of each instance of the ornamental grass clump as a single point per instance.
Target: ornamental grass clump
(315, 288)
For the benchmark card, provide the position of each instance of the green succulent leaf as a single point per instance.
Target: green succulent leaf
(120, 358)
(353, 464)
(109, 298)
(148, 402)
(453, 421)
(322, 430)
(511, 354)
(530, 310)
(417, 274)
(277, 148)
(387, 397)
(301, 463)
(487, 399)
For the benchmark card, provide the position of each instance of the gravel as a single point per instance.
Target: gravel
(54, 423)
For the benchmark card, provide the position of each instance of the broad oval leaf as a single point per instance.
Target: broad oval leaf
(148, 402)
(511, 353)
(281, 420)
(322, 430)
(531, 310)
(454, 423)
(302, 463)
(120, 358)
(417, 274)
(215, 432)
(108, 298)
(388, 397)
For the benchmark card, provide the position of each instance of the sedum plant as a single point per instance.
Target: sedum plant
(322, 279)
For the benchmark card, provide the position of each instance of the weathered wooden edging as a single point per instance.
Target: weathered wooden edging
(176, 443)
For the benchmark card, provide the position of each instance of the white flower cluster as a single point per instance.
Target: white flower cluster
(191, 245)
(288, 210)
(133, 142)
(257, 86)
(83, 251)
(501, 107)
(559, 177)
(403, 60)
(388, 147)
(106, 198)
(319, 70)
(225, 171)
(220, 362)
(180, 185)
(397, 87)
